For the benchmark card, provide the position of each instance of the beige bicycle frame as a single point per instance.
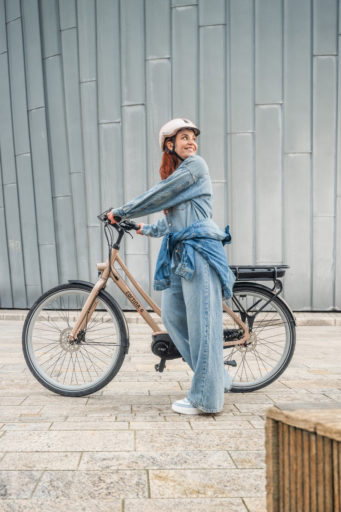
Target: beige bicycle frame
(107, 271)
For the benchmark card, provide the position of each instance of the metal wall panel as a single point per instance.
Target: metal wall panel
(242, 185)
(297, 220)
(268, 51)
(3, 42)
(108, 61)
(5, 270)
(241, 65)
(297, 76)
(268, 185)
(325, 27)
(324, 153)
(32, 51)
(158, 17)
(132, 52)
(85, 86)
(185, 62)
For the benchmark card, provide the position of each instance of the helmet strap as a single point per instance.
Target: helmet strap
(172, 151)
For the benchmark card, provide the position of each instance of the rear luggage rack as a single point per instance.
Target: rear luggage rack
(258, 272)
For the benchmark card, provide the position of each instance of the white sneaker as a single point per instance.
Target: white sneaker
(185, 407)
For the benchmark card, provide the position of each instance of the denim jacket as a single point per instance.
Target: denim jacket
(202, 236)
(187, 197)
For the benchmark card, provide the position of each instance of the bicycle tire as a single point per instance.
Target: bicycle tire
(264, 358)
(69, 368)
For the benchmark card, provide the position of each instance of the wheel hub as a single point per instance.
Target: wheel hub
(249, 345)
(67, 343)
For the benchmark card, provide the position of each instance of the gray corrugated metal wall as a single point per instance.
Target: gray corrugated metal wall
(84, 88)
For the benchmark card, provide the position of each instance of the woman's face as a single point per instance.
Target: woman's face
(185, 143)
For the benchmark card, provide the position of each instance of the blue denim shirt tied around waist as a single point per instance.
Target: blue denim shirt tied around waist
(202, 236)
(187, 197)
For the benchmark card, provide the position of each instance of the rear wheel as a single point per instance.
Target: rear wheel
(74, 367)
(265, 356)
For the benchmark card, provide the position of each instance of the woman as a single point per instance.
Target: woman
(192, 269)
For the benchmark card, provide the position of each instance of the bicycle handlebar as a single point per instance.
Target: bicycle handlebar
(126, 224)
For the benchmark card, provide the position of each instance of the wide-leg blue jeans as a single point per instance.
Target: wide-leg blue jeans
(192, 315)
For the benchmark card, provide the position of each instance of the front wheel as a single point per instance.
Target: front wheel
(265, 356)
(74, 367)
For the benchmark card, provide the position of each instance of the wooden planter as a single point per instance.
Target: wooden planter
(303, 458)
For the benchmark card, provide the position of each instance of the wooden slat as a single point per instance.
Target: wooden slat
(293, 470)
(281, 467)
(108, 61)
(132, 52)
(268, 185)
(297, 76)
(299, 470)
(313, 473)
(328, 475)
(337, 474)
(241, 197)
(268, 59)
(240, 67)
(325, 27)
(297, 228)
(306, 475)
(185, 62)
(320, 473)
(212, 99)
(211, 12)
(158, 15)
(272, 465)
(286, 468)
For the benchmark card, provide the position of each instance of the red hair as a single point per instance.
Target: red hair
(168, 165)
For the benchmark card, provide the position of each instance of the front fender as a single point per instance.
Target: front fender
(116, 307)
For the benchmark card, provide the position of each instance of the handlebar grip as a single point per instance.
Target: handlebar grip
(134, 225)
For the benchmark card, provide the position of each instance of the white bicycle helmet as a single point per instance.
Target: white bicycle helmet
(173, 126)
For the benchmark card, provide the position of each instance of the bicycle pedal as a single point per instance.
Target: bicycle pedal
(231, 363)
(159, 367)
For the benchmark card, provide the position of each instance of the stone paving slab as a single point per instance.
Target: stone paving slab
(124, 449)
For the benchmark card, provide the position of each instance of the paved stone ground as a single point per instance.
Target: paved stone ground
(124, 450)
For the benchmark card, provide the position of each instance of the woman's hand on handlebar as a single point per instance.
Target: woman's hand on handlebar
(139, 231)
(112, 219)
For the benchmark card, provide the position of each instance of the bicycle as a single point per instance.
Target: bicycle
(75, 337)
